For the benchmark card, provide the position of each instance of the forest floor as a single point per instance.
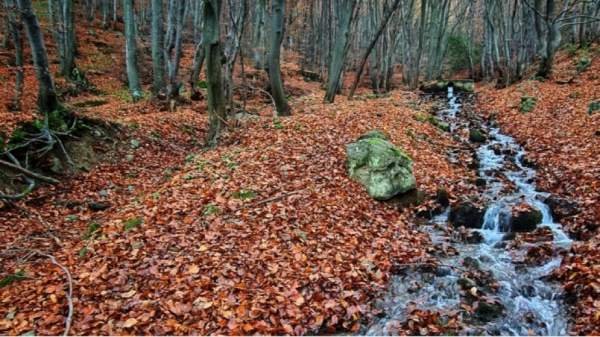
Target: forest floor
(266, 233)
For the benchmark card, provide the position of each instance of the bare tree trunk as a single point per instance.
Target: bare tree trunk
(173, 45)
(47, 99)
(133, 78)
(158, 60)
(346, 12)
(213, 52)
(277, 27)
(365, 56)
(14, 30)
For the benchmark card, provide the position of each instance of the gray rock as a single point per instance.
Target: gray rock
(381, 167)
(487, 311)
(467, 214)
(525, 220)
(477, 136)
(562, 207)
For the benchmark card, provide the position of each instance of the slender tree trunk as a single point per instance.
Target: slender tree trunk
(158, 60)
(47, 99)
(196, 68)
(68, 64)
(133, 78)
(14, 30)
(340, 50)
(365, 56)
(277, 27)
(213, 52)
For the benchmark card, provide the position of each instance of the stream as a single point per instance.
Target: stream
(529, 304)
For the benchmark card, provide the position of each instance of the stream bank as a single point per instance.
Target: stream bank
(491, 278)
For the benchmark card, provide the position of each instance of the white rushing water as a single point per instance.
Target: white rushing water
(531, 304)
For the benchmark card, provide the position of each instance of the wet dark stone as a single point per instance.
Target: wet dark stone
(467, 214)
(500, 245)
(528, 162)
(509, 236)
(474, 237)
(442, 271)
(471, 262)
(98, 206)
(562, 207)
(509, 152)
(488, 311)
(477, 136)
(528, 291)
(497, 148)
(411, 198)
(526, 220)
(442, 197)
(466, 283)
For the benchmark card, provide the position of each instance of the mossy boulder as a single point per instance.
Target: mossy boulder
(466, 85)
(477, 136)
(384, 169)
(525, 218)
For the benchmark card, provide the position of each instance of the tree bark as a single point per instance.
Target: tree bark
(346, 13)
(47, 99)
(133, 78)
(365, 56)
(14, 30)
(277, 27)
(213, 52)
(158, 60)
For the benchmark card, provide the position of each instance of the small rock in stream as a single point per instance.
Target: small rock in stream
(467, 214)
(471, 263)
(562, 207)
(442, 197)
(477, 136)
(487, 311)
(525, 218)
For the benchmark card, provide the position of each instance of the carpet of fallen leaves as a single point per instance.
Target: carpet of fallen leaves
(563, 139)
(264, 234)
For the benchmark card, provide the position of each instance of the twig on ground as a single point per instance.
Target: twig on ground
(69, 295)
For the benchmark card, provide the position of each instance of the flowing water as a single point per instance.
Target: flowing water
(531, 304)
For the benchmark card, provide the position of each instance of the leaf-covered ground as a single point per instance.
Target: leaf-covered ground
(265, 234)
(563, 138)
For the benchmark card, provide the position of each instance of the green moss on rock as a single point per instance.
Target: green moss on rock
(381, 167)
(476, 136)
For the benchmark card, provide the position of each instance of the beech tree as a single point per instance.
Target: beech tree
(47, 99)
(346, 14)
(213, 52)
(62, 18)
(277, 27)
(158, 60)
(14, 30)
(133, 78)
